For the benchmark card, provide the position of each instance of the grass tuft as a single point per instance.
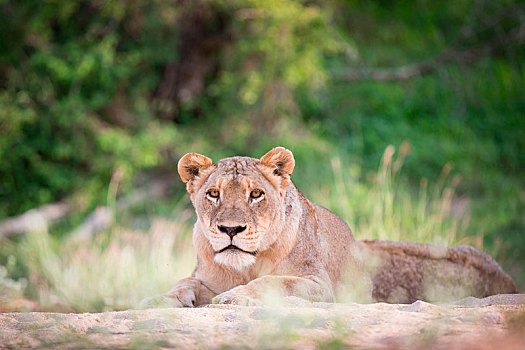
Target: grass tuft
(384, 208)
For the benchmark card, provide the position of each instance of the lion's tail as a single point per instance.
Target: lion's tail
(404, 272)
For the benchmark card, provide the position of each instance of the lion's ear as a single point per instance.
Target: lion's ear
(281, 161)
(191, 164)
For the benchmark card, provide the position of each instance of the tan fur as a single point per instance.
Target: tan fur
(404, 272)
(291, 244)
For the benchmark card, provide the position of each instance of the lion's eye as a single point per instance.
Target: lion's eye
(256, 194)
(213, 193)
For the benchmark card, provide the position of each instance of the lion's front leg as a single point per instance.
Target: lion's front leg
(190, 292)
(254, 292)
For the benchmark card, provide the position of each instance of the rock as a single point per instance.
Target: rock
(499, 299)
(497, 321)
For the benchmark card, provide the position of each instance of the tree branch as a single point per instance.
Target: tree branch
(103, 217)
(515, 36)
(39, 219)
(34, 219)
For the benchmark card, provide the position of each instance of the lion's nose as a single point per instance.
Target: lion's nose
(232, 230)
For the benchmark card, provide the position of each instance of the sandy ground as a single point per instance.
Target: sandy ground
(496, 322)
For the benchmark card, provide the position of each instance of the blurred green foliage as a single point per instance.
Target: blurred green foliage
(74, 99)
(470, 115)
(88, 89)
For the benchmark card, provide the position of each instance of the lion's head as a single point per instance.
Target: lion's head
(239, 202)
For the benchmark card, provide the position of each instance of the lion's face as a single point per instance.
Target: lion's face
(236, 205)
(239, 203)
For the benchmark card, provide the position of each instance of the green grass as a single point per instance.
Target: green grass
(385, 208)
(113, 271)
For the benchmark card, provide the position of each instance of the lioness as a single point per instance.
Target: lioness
(256, 230)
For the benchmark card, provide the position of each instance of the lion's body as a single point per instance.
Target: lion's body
(405, 272)
(255, 230)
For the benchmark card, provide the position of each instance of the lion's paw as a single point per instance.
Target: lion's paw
(159, 301)
(238, 296)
